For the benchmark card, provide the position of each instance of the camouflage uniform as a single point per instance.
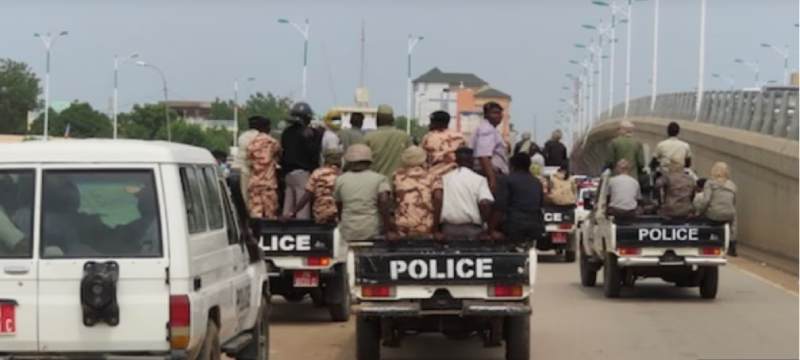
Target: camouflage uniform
(263, 152)
(321, 184)
(441, 148)
(413, 189)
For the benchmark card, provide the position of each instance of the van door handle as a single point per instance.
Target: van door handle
(16, 269)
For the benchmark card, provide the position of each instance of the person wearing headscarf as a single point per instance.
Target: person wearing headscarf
(717, 201)
(319, 189)
(418, 196)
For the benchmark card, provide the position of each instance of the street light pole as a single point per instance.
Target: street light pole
(654, 78)
(305, 31)
(236, 108)
(115, 101)
(785, 54)
(47, 40)
(702, 61)
(628, 58)
(753, 66)
(166, 95)
(729, 79)
(412, 43)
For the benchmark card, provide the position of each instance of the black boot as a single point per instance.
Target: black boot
(732, 249)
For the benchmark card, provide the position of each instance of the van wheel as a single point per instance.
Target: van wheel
(339, 307)
(517, 333)
(612, 282)
(258, 349)
(588, 270)
(368, 338)
(710, 282)
(211, 349)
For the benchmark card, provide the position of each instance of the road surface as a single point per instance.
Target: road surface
(751, 318)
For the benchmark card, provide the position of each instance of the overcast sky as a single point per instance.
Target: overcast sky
(519, 47)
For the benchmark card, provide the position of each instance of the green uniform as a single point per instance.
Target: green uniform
(350, 136)
(386, 143)
(626, 147)
(358, 193)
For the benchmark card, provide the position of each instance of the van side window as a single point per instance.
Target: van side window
(213, 204)
(231, 220)
(16, 213)
(195, 212)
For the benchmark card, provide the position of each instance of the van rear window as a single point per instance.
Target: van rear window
(100, 213)
(16, 213)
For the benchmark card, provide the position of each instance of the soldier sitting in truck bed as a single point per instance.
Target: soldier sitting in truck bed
(418, 196)
(320, 188)
(518, 203)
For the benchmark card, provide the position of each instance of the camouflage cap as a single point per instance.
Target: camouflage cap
(332, 156)
(358, 152)
(384, 109)
(413, 156)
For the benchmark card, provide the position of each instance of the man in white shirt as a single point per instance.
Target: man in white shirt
(623, 191)
(467, 202)
(672, 148)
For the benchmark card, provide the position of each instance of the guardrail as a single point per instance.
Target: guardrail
(769, 111)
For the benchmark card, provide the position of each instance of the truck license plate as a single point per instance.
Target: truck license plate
(305, 279)
(559, 238)
(8, 319)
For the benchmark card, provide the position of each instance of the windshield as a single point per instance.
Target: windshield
(100, 213)
(16, 215)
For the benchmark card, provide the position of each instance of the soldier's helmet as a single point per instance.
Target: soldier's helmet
(301, 110)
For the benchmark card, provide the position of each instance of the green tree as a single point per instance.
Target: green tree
(82, 120)
(221, 110)
(19, 89)
(145, 122)
(417, 131)
(273, 107)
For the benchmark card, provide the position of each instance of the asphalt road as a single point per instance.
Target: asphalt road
(751, 318)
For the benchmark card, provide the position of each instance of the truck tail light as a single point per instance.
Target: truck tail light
(180, 316)
(626, 251)
(318, 261)
(377, 291)
(500, 290)
(713, 251)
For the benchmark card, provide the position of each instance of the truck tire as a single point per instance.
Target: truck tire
(588, 270)
(612, 281)
(339, 308)
(211, 349)
(258, 349)
(368, 338)
(710, 282)
(518, 337)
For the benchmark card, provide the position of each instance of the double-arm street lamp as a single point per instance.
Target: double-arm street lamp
(729, 79)
(304, 30)
(783, 53)
(413, 40)
(48, 39)
(115, 100)
(166, 95)
(753, 66)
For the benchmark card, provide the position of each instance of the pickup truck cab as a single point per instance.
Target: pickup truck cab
(457, 288)
(124, 249)
(686, 252)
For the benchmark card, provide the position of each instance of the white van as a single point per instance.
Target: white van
(124, 248)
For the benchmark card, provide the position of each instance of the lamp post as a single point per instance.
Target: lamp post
(586, 91)
(305, 32)
(752, 65)
(236, 108)
(413, 40)
(729, 79)
(654, 78)
(115, 101)
(602, 33)
(166, 95)
(702, 61)
(595, 68)
(785, 54)
(48, 40)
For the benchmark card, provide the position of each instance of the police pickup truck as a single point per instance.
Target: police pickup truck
(687, 252)
(457, 288)
(305, 258)
(559, 225)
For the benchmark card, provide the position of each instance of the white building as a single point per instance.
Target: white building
(436, 90)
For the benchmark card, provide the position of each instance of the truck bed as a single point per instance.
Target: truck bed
(294, 238)
(659, 231)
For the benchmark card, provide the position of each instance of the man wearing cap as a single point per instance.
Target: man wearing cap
(320, 188)
(263, 153)
(488, 144)
(441, 143)
(386, 143)
(624, 146)
(418, 196)
(240, 161)
(362, 196)
(301, 155)
(467, 200)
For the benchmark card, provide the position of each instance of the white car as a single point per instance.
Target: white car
(124, 249)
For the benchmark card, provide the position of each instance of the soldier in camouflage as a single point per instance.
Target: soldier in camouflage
(263, 153)
(320, 188)
(441, 144)
(418, 196)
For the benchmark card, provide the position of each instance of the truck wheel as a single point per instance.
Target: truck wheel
(612, 282)
(709, 282)
(211, 349)
(368, 338)
(339, 308)
(569, 256)
(518, 338)
(258, 349)
(588, 271)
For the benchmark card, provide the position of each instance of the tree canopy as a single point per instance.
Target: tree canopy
(79, 118)
(19, 90)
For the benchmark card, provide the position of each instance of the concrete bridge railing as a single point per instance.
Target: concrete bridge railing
(765, 169)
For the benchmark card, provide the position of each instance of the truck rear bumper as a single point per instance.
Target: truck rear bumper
(655, 261)
(174, 355)
(468, 308)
